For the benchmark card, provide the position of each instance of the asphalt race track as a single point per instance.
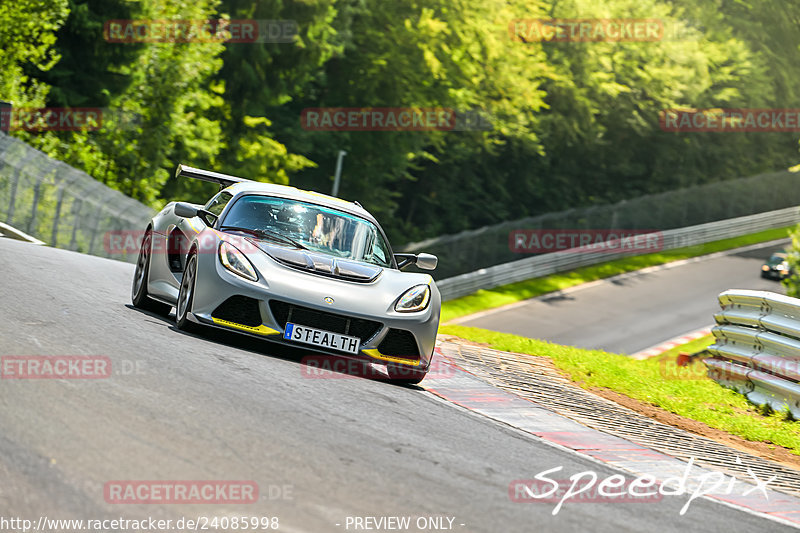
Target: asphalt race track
(224, 407)
(634, 311)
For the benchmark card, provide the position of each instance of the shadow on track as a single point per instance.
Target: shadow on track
(315, 364)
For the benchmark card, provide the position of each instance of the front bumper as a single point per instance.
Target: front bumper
(259, 309)
(774, 274)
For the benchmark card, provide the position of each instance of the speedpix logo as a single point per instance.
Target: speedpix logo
(589, 487)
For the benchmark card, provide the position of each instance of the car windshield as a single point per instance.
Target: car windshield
(314, 227)
(776, 259)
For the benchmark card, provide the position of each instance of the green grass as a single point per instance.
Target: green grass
(514, 292)
(690, 347)
(685, 391)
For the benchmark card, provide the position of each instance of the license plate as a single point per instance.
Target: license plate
(321, 338)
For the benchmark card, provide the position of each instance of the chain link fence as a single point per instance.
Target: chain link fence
(60, 205)
(488, 246)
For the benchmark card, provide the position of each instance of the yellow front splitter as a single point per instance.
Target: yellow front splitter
(258, 330)
(373, 352)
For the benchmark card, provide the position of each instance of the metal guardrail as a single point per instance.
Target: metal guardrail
(484, 247)
(757, 348)
(543, 265)
(13, 233)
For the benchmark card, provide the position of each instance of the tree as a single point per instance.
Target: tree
(27, 35)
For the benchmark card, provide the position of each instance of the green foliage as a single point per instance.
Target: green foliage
(573, 123)
(792, 283)
(77, 82)
(166, 113)
(27, 35)
(259, 78)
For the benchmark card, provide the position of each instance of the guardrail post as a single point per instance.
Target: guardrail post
(5, 116)
(34, 207)
(76, 210)
(56, 216)
(94, 232)
(13, 196)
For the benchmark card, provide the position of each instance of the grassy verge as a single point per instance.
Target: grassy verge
(514, 292)
(685, 391)
(690, 347)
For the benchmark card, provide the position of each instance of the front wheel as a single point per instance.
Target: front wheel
(186, 296)
(139, 296)
(404, 374)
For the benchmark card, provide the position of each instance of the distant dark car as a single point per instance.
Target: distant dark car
(776, 267)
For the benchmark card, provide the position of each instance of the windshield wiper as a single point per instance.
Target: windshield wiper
(266, 234)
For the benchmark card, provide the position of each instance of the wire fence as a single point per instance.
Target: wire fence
(472, 250)
(60, 205)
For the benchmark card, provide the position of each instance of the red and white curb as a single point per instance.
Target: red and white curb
(455, 385)
(672, 343)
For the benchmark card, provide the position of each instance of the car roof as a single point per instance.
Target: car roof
(293, 193)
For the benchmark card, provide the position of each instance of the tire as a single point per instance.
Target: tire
(186, 296)
(139, 295)
(405, 375)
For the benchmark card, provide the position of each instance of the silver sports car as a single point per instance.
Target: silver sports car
(293, 266)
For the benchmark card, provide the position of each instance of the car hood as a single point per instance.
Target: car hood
(319, 263)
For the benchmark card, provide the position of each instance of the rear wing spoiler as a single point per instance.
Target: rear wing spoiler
(223, 180)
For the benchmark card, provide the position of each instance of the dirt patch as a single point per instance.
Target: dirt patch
(772, 452)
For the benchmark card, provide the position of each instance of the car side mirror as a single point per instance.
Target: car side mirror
(427, 261)
(186, 210)
(423, 261)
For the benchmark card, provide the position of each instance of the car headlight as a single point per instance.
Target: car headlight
(765, 268)
(235, 261)
(414, 299)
